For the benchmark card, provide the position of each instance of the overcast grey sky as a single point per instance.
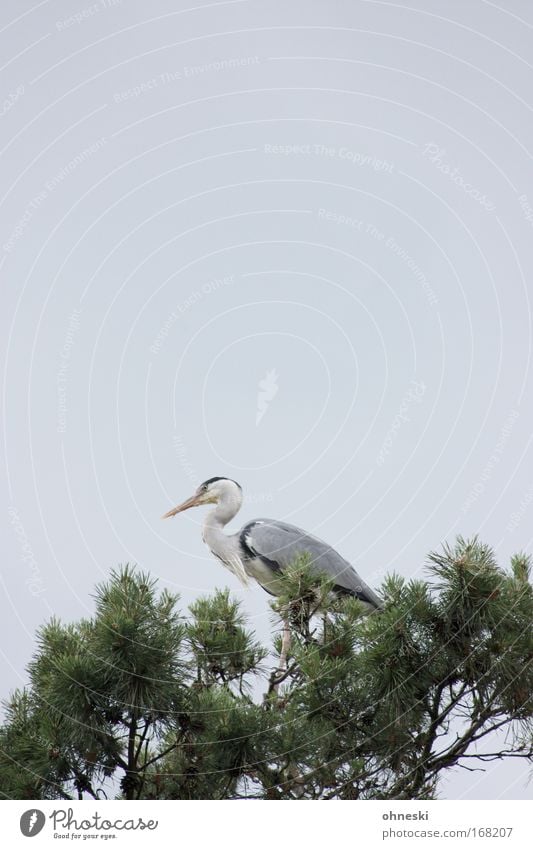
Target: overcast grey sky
(284, 242)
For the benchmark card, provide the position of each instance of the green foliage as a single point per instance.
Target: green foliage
(369, 706)
(223, 650)
(303, 595)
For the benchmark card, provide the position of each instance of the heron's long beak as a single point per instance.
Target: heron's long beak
(193, 501)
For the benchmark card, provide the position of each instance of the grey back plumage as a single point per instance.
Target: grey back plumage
(279, 544)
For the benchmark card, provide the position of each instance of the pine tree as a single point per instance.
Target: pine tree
(142, 702)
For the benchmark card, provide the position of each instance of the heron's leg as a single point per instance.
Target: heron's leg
(280, 674)
(285, 645)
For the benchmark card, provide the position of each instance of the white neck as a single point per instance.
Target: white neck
(225, 547)
(227, 507)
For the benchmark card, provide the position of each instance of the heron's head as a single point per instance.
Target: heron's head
(212, 491)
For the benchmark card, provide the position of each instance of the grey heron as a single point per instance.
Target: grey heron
(264, 548)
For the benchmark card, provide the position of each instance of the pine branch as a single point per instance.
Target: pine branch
(142, 738)
(162, 754)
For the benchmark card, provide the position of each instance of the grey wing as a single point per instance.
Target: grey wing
(280, 544)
